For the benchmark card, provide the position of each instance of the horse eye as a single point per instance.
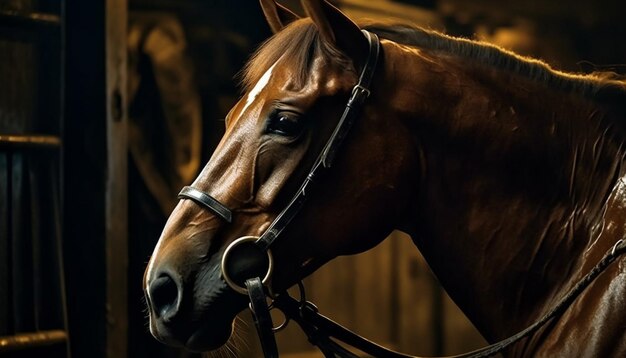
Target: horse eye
(286, 124)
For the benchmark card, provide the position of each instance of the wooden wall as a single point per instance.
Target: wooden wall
(32, 301)
(95, 164)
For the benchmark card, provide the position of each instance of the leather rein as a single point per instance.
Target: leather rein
(324, 333)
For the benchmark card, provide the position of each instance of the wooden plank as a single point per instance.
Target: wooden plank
(49, 304)
(29, 340)
(23, 20)
(415, 317)
(373, 293)
(116, 20)
(18, 93)
(5, 262)
(95, 152)
(55, 253)
(29, 141)
(21, 249)
(34, 214)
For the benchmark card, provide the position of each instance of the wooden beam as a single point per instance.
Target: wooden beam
(116, 184)
(29, 141)
(94, 156)
(22, 341)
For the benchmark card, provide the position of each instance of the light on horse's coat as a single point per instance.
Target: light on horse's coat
(151, 264)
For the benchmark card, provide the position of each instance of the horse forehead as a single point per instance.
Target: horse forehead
(322, 77)
(258, 87)
(282, 82)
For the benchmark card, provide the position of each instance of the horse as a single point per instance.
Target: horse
(508, 176)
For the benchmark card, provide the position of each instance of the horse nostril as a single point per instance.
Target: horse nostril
(164, 296)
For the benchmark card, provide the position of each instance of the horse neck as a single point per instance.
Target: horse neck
(515, 176)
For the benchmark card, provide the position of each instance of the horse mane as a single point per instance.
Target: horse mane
(605, 86)
(300, 43)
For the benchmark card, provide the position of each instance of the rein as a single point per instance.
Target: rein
(321, 330)
(250, 275)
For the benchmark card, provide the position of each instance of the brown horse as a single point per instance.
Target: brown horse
(507, 175)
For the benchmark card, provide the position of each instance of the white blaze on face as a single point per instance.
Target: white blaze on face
(258, 87)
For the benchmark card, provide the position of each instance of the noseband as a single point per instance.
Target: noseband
(252, 277)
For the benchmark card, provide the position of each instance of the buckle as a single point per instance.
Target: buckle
(618, 247)
(359, 90)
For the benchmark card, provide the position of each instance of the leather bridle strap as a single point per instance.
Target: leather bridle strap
(207, 201)
(254, 286)
(321, 329)
(262, 317)
(360, 92)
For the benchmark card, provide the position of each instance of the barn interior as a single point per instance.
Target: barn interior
(109, 107)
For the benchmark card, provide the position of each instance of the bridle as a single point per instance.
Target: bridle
(251, 272)
(248, 245)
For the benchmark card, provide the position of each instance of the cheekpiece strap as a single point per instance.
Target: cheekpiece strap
(262, 318)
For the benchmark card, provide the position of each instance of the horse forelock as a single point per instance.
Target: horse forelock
(297, 45)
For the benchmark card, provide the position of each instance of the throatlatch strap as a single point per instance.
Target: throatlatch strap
(360, 93)
(207, 201)
(262, 318)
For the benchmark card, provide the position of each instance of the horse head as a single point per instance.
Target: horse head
(296, 86)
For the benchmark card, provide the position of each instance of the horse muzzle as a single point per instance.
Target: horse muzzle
(192, 310)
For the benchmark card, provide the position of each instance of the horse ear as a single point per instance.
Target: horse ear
(336, 28)
(277, 16)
